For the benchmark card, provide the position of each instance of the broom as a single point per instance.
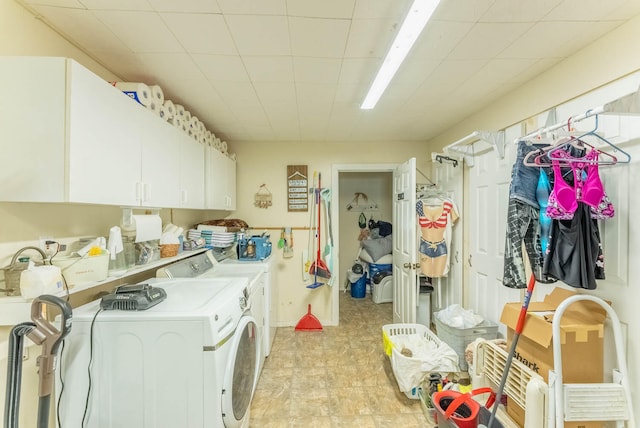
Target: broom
(318, 267)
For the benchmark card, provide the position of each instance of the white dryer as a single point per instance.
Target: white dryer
(189, 361)
(224, 263)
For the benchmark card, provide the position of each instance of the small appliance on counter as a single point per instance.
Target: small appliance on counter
(254, 248)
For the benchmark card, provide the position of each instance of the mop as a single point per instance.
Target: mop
(318, 267)
(519, 326)
(328, 248)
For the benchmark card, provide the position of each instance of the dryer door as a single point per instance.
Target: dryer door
(241, 374)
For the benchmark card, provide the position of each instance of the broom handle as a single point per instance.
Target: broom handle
(519, 326)
(318, 213)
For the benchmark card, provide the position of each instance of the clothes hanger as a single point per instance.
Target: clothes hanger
(560, 137)
(609, 159)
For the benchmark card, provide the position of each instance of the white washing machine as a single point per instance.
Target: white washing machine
(223, 263)
(189, 361)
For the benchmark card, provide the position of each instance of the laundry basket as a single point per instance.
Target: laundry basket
(428, 354)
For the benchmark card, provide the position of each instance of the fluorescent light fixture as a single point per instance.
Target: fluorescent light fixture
(414, 22)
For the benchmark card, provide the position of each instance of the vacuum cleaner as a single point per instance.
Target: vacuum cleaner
(41, 332)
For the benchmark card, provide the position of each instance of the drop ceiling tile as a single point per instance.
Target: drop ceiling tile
(519, 11)
(438, 39)
(225, 68)
(269, 69)
(370, 38)
(593, 10)
(325, 38)
(316, 70)
(56, 3)
(449, 74)
(358, 70)
(140, 31)
(140, 5)
(461, 10)
(185, 6)
(556, 39)
(321, 9)
(315, 96)
(83, 28)
(277, 96)
(260, 35)
(252, 7)
(237, 93)
(485, 41)
(375, 9)
(201, 32)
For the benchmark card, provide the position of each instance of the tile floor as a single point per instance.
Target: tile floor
(339, 377)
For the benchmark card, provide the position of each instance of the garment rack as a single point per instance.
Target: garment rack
(464, 146)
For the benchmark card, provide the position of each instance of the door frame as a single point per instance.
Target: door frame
(336, 169)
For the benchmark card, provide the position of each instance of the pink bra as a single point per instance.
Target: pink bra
(564, 199)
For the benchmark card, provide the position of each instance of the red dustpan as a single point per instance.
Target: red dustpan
(309, 322)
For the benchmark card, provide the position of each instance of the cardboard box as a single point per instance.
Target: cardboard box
(582, 329)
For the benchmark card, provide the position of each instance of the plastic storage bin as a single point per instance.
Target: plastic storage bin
(359, 288)
(375, 268)
(459, 338)
(82, 270)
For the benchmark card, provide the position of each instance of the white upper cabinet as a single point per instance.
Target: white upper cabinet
(220, 187)
(72, 137)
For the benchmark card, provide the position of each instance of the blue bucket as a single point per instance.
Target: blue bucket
(359, 288)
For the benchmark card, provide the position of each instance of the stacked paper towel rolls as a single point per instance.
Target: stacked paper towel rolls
(152, 97)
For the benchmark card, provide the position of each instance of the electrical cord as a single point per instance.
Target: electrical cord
(86, 404)
(61, 383)
(64, 280)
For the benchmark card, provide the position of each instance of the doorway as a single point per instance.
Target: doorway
(376, 181)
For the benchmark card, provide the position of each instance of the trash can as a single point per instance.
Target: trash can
(359, 287)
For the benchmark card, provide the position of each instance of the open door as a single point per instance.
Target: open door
(405, 293)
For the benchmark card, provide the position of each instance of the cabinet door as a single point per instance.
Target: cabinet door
(192, 176)
(231, 183)
(160, 174)
(104, 144)
(32, 120)
(216, 184)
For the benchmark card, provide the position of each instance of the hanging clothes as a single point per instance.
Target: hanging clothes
(523, 223)
(574, 254)
(436, 217)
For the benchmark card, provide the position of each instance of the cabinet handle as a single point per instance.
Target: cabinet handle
(138, 191)
(145, 192)
(183, 196)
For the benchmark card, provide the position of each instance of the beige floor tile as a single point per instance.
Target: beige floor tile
(336, 378)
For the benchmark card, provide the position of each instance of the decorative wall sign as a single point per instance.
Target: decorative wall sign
(297, 188)
(262, 198)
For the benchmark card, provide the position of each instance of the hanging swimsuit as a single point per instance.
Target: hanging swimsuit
(588, 188)
(428, 248)
(542, 195)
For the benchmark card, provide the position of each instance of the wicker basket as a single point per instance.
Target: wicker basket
(169, 250)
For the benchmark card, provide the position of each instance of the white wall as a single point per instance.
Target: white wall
(262, 162)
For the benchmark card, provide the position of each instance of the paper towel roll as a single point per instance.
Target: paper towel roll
(176, 121)
(170, 108)
(148, 227)
(179, 110)
(157, 94)
(136, 90)
(154, 107)
(187, 116)
(164, 115)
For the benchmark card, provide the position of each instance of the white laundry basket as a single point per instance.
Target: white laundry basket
(409, 371)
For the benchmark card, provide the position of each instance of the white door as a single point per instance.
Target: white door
(489, 181)
(449, 178)
(404, 243)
